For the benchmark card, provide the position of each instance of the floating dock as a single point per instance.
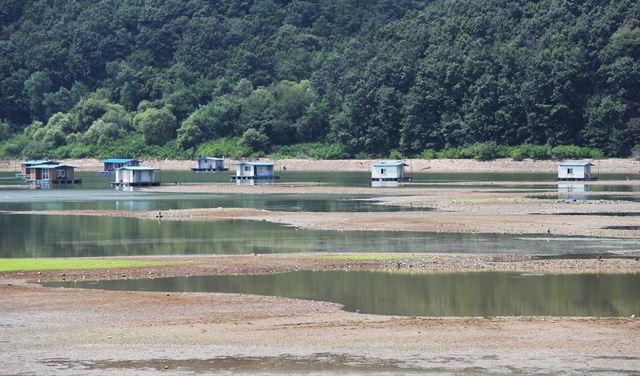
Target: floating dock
(399, 180)
(138, 184)
(577, 179)
(195, 169)
(234, 177)
(57, 181)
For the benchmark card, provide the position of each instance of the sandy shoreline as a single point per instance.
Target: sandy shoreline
(64, 331)
(53, 331)
(613, 165)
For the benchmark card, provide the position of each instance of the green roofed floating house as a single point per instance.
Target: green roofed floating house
(575, 171)
(26, 165)
(135, 176)
(52, 174)
(208, 164)
(111, 165)
(255, 171)
(389, 171)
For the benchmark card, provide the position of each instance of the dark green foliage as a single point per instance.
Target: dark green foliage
(254, 140)
(312, 150)
(489, 150)
(223, 147)
(377, 78)
(158, 126)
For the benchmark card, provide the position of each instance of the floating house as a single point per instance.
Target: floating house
(135, 176)
(52, 174)
(389, 171)
(26, 165)
(575, 171)
(209, 164)
(111, 165)
(255, 170)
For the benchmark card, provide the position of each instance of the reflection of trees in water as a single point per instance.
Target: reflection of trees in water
(427, 294)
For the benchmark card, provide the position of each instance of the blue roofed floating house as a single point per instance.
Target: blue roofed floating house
(52, 174)
(575, 171)
(389, 171)
(135, 176)
(255, 171)
(111, 165)
(26, 165)
(206, 164)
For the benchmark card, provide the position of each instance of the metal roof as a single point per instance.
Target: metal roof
(576, 164)
(51, 166)
(138, 168)
(256, 163)
(389, 164)
(118, 160)
(38, 162)
(212, 158)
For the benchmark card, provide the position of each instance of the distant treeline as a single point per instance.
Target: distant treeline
(325, 78)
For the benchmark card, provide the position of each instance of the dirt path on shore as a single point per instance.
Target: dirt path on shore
(613, 165)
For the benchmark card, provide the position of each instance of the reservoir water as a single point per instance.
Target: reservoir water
(85, 236)
(420, 294)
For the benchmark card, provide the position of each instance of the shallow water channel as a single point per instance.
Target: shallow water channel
(74, 236)
(420, 294)
(84, 236)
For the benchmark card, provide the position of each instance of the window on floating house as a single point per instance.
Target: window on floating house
(61, 173)
(569, 171)
(382, 171)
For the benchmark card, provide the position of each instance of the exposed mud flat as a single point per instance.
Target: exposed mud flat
(72, 331)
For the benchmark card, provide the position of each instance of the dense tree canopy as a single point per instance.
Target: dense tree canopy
(370, 76)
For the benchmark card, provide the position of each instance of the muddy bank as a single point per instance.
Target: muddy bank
(281, 263)
(628, 165)
(61, 331)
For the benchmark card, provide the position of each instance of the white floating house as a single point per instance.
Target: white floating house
(572, 171)
(135, 176)
(389, 171)
(254, 171)
(111, 165)
(209, 164)
(52, 174)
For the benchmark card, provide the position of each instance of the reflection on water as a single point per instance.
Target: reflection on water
(135, 200)
(320, 364)
(385, 184)
(423, 294)
(573, 191)
(74, 236)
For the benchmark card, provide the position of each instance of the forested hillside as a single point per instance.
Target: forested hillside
(343, 78)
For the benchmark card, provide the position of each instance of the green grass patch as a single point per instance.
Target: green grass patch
(373, 257)
(13, 265)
